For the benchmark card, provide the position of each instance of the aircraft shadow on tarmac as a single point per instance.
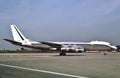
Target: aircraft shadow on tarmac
(72, 55)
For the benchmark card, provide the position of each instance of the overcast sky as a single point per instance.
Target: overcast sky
(61, 20)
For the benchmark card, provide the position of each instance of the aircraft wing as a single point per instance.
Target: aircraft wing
(52, 44)
(13, 42)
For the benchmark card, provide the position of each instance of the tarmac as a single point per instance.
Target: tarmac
(51, 65)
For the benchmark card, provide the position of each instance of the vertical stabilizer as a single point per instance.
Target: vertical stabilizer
(17, 35)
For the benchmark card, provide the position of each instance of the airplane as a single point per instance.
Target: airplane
(62, 47)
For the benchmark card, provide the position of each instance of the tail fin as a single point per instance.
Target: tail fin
(17, 35)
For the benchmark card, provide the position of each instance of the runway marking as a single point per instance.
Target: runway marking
(43, 71)
(31, 55)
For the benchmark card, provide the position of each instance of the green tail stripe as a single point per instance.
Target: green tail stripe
(19, 34)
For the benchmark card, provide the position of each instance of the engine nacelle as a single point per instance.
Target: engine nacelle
(79, 50)
(75, 49)
(64, 49)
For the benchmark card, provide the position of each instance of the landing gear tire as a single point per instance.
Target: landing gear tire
(62, 54)
(22, 49)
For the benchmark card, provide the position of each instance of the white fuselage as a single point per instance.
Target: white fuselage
(87, 46)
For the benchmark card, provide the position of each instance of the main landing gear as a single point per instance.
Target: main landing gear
(62, 53)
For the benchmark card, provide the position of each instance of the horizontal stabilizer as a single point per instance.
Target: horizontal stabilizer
(29, 46)
(13, 42)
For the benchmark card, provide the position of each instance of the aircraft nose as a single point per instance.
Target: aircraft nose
(114, 47)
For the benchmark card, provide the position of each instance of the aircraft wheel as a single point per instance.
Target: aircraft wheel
(22, 49)
(62, 54)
